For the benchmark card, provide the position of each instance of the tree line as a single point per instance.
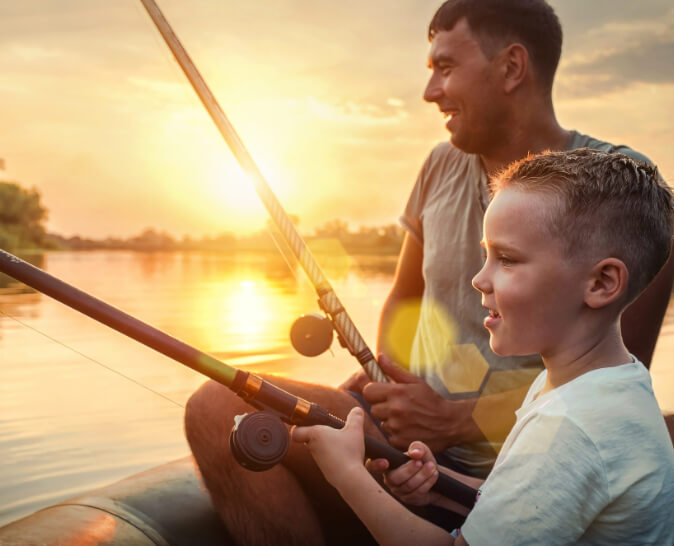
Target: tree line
(22, 218)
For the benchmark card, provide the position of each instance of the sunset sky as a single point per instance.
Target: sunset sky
(96, 114)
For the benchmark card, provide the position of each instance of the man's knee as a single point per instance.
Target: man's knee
(208, 411)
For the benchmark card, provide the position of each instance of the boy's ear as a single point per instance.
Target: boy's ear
(607, 282)
(515, 59)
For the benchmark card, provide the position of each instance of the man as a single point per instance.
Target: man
(492, 64)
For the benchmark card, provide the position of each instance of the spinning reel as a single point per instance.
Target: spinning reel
(311, 335)
(259, 440)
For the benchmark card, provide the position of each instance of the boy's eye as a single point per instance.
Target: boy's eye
(505, 260)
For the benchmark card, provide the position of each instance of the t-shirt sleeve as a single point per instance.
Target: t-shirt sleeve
(547, 489)
(411, 218)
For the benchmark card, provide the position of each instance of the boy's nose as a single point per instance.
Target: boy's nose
(480, 281)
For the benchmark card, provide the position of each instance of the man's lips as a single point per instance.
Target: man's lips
(449, 115)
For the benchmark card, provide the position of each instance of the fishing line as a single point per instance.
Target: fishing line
(91, 359)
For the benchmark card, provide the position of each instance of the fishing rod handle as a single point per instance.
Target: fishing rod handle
(297, 411)
(343, 324)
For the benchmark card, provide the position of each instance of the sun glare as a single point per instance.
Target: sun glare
(246, 314)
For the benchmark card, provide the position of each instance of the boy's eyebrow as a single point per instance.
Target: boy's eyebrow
(496, 246)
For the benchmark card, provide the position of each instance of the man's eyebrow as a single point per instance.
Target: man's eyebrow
(444, 58)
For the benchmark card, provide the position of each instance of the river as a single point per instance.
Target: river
(82, 406)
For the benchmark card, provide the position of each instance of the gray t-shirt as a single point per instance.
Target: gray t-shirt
(451, 345)
(590, 462)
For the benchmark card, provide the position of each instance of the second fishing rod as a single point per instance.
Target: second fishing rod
(346, 330)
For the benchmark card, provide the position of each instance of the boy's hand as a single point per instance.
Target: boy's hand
(409, 409)
(337, 452)
(412, 482)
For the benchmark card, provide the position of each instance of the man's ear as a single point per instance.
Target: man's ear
(515, 59)
(607, 282)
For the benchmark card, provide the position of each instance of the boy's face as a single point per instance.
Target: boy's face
(533, 293)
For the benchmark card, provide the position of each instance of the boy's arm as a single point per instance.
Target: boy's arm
(340, 454)
(412, 482)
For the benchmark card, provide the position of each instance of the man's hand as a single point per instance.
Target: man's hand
(409, 409)
(356, 381)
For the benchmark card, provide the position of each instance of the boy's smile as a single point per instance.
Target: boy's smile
(533, 293)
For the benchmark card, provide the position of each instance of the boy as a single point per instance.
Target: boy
(571, 238)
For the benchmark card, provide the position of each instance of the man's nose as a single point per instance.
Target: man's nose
(433, 90)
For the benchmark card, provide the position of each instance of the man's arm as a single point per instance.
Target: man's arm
(641, 321)
(408, 283)
(410, 408)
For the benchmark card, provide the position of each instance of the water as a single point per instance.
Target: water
(68, 423)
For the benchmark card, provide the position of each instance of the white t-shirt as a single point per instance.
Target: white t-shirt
(590, 462)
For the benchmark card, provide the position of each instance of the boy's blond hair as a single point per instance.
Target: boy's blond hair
(609, 205)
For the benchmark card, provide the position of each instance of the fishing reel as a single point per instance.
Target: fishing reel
(311, 335)
(259, 440)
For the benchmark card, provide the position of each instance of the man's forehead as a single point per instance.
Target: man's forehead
(450, 44)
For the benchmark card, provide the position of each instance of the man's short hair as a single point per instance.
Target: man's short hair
(609, 205)
(499, 23)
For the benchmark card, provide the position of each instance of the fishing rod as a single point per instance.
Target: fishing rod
(258, 440)
(309, 335)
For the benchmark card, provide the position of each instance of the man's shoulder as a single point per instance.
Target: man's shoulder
(447, 162)
(580, 140)
(446, 152)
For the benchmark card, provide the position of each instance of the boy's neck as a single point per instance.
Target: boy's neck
(591, 353)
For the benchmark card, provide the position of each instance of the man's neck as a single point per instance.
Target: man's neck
(526, 136)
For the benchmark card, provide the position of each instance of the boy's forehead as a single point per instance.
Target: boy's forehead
(515, 210)
(515, 198)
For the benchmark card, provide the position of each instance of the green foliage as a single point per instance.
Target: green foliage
(21, 218)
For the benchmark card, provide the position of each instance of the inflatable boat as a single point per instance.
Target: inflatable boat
(164, 506)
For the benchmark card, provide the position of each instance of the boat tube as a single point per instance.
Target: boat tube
(164, 506)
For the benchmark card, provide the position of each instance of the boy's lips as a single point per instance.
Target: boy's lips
(492, 319)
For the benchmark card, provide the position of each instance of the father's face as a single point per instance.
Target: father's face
(463, 84)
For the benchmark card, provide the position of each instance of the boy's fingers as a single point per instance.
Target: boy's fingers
(420, 451)
(299, 434)
(377, 466)
(355, 418)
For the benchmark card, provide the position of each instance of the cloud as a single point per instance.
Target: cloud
(578, 17)
(647, 61)
(352, 112)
